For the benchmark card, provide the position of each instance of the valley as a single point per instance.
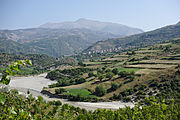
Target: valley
(61, 40)
(34, 84)
(90, 60)
(127, 76)
(142, 79)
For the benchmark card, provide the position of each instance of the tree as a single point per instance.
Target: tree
(100, 91)
(81, 64)
(90, 74)
(80, 80)
(114, 86)
(108, 70)
(60, 90)
(122, 74)
(101, 77)
(109, 75)
(115, 71)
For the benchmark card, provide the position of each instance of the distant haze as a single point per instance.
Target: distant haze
(144, 14)
(113, 28)
(56, 39)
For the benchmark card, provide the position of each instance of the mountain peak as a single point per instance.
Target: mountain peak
(81, 19)
(95, 25)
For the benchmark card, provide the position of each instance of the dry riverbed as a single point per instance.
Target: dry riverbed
(35, 84)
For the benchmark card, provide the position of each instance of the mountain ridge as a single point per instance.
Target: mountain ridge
(110, 27)
(138, 40)
(55, 41)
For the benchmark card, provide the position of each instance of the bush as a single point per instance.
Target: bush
(114, 86)
(91, 74)
(101, 77)
(100, 91)
(58, 103)
(108, 70)
(122, 74)
(60, 91)
(115, 71)
(126, 99)
(109, 75)
(81, 80)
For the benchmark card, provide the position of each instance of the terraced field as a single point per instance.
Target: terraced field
(128, 71)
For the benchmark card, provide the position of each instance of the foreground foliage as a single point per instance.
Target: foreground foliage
(14, 106)
(15, 67)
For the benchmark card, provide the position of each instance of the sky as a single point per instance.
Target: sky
(144, 14)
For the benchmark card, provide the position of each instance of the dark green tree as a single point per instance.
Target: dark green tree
(115, 71)
(100, 91)
(114, 86)
(109, 75)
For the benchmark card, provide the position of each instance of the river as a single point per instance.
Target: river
(36, 83)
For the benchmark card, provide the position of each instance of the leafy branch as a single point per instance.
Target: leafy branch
(11, 71)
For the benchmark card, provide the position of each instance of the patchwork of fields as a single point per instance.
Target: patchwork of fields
(125, 76)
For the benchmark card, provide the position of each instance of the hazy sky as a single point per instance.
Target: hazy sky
(144, 14)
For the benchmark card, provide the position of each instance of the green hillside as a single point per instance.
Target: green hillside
(40, 63)
(52, 42)
(139, 40)
(148, 76)
(128, 76)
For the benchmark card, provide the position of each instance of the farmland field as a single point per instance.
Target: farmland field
(78, 91)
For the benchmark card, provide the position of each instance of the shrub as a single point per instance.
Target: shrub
(58, 103)
(81, 80)
(100, 91)
(101, 77)
(114, 86)
(126, 99)
(109, 75)
(115, 71)
(122, 74)
(108, 70)
(60, 91)
(91, 74)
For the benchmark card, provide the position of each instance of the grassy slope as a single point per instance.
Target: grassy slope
(149, 59)
(139, 40)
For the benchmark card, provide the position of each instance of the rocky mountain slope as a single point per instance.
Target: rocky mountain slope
(62, 38)
(94, 25)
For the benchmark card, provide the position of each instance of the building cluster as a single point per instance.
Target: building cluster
(103, 51)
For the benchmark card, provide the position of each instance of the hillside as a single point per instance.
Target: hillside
(148, 76)
(53, 42)
(139, 40)
(128, 76)
(57, 41)
(40, 63)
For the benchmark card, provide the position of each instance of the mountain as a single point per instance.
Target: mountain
(109, 27)
(66, 38)
(53, 42)
(138, 40)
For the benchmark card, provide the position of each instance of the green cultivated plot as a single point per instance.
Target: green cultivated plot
(128, 69)
(79, 91)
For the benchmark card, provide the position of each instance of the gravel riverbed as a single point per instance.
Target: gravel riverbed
(35, 84)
